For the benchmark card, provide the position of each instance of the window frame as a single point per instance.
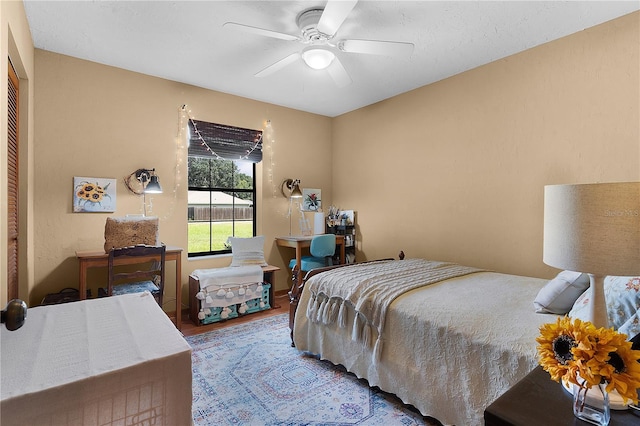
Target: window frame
(233, 190)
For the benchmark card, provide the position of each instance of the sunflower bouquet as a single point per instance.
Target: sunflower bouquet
(89, 192)
(577, 352)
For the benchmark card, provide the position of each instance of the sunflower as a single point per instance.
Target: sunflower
(615, 363)
(555, 347)
(96, 196)
(598, 355)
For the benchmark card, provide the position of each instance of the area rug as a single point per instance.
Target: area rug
(248, 374)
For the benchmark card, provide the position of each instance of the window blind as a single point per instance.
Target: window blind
(220, 141)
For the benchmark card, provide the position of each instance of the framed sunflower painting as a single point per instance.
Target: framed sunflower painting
(94, 195)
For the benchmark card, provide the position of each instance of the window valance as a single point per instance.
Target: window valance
(220, 141)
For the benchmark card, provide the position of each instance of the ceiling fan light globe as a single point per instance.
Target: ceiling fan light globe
(318, 58)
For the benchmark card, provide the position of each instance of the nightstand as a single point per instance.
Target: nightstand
(538, 400)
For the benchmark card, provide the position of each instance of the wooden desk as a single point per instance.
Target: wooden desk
(99, 259)
(301, 242)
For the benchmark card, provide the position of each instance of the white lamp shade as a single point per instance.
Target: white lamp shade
(593, 228)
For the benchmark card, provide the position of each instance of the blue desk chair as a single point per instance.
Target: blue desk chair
(322, 249)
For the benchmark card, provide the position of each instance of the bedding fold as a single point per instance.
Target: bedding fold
(369, 288)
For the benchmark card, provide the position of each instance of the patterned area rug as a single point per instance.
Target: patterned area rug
(249, 374)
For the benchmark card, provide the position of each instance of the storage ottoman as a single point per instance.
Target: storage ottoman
(201, 312)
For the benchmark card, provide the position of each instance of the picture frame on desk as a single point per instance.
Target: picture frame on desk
(349, 216)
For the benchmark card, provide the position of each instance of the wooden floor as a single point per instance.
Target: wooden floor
(280, 306)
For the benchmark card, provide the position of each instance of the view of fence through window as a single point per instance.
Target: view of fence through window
(220, 204)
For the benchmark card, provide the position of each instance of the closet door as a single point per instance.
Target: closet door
(12, 190)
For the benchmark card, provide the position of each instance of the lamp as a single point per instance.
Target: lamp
(293, 187)
(595, 229)
(153, 187)
(148, 175)
(317, 57)
(148, 184)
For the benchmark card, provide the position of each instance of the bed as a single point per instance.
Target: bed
(448, 348)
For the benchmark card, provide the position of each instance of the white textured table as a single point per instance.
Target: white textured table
(110, 361)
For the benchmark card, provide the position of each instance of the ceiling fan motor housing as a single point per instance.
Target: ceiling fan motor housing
(308, 23)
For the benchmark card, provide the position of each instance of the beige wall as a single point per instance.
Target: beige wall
(16, 44)
(455, 170)
(99, 121)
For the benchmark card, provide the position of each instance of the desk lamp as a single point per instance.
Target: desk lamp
(595, 229)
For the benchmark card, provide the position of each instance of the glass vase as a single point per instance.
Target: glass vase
(591, 404)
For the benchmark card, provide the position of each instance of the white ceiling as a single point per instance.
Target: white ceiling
(185, 41)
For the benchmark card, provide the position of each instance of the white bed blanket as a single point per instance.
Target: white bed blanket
(451, 348)
(369, 288)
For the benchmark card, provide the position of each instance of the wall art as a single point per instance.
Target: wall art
(94, 195)
(311, 199)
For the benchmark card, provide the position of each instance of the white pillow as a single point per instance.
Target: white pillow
(559, 295)
(247, 251)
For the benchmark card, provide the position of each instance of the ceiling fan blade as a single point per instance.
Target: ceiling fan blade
(335, 12)
(260, 31)
(374, 47)
(278, 65)
(339, 74)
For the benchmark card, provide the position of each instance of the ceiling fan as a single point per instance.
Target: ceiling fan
(318, 28)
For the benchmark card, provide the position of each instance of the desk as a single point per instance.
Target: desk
(108, 361)
(301, 242)
(99, 259)
(538, 400)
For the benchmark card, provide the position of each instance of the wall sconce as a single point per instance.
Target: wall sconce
(148, 175)
(292, 187)
(147, 183)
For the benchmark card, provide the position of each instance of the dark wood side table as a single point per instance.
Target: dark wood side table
(538, 400)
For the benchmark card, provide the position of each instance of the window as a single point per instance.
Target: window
(222, 182)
